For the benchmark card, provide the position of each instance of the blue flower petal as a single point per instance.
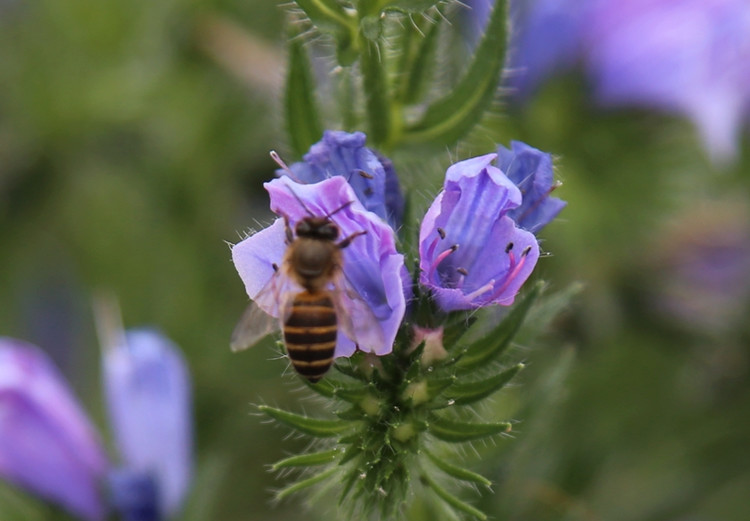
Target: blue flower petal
(47, 444)
(471, 253)
(147, 388)
(371, 176)
(531, 170)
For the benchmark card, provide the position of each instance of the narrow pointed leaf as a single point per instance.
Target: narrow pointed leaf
(458, 472)
(456, 327)
(323, 387)
(305, 483)
(327, 15)
(311, 426)
(456, 431)
(498, 339)
(418, 60)
(302, 116)
(453, 116)
(306, 460)
(452, 500)
(464, 393)
(375, 85)
(408, 6)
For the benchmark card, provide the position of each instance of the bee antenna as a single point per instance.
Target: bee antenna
(337, 210)
(299, 200)
(277, 159)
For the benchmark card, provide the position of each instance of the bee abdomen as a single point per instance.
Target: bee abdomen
(310, 334)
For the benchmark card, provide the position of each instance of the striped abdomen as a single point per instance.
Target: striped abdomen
(310, 334)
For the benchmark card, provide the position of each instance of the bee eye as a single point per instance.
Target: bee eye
(302, 228)
(331, 231)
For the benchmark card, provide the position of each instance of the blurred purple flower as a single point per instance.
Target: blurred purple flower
(531, 171)
(472, 254)
(687, 56)
(47, 443)
(701, 267)
(371, 176)
(134, 495)
(147, 387)
(373, 271)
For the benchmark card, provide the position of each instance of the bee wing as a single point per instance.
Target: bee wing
(255, 323)
(253, 326)
(355, 316)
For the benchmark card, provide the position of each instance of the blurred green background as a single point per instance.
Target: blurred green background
(134, 139)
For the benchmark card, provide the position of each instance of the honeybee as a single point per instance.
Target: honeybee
(313, 297)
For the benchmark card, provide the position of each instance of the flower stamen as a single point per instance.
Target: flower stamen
(481, 291)
(463, 273)
(514, 270)
(440, 258)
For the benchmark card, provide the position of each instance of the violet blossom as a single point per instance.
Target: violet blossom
(373, 271)
(147, 388)
(371, 175)
(472, 253)
(531, 171)
(47, 443)
(690, 56)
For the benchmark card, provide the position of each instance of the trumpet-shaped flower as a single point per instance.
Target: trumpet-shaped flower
(372, 176)
(472, 253)
(371, 286)
(531, 171)
(47, 444)
(147, 388)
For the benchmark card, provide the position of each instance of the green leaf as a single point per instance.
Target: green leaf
(307, 460)
(456, 431)
(305, 483)
(463, 393)
(327, 15)
(450, 499)
(302, 119)
(408, 6)
(458, 472)
(497, 340)
(456, 326)
(375, 85)
(450, 118)
(311, 426)
(417, 60)
(323, 387)
(330, 16)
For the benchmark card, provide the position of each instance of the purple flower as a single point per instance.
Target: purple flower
(472, 253)
(147, 388)
(47, 443)
(134, 494)
(371, 176)
(687, 56)
(531, 171)
(373, 271)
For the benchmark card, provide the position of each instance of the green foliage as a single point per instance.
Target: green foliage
(302, 117)
(397, 422)
(409, 35)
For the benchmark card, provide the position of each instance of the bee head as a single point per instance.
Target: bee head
(321, 228)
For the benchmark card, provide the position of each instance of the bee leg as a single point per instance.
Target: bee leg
(288, 230)
(348, 240)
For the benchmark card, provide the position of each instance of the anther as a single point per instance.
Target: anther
(525, 251)
(509, 247)
(366, 175)
(463, 271)
(275, 266)
(441, 233)
(369, 191)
